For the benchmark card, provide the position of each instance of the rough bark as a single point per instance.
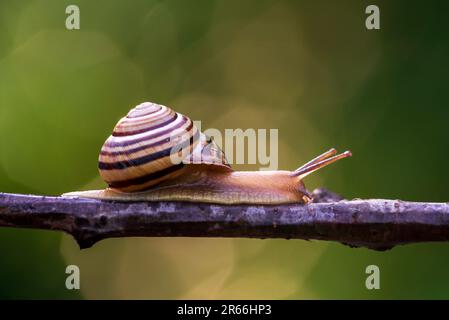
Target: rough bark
(376, 223)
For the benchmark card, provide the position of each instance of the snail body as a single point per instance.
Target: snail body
(157, 154)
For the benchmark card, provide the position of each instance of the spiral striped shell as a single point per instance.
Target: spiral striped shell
(151, 144)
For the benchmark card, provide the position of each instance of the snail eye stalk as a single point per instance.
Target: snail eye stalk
(319, 162)
(322, 156)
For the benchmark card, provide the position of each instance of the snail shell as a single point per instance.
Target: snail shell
(151, 144)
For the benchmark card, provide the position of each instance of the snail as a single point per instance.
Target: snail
(157, 154)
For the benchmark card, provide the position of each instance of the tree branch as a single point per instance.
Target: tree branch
(375, 224)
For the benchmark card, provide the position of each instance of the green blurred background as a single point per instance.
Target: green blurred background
(308, 68)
